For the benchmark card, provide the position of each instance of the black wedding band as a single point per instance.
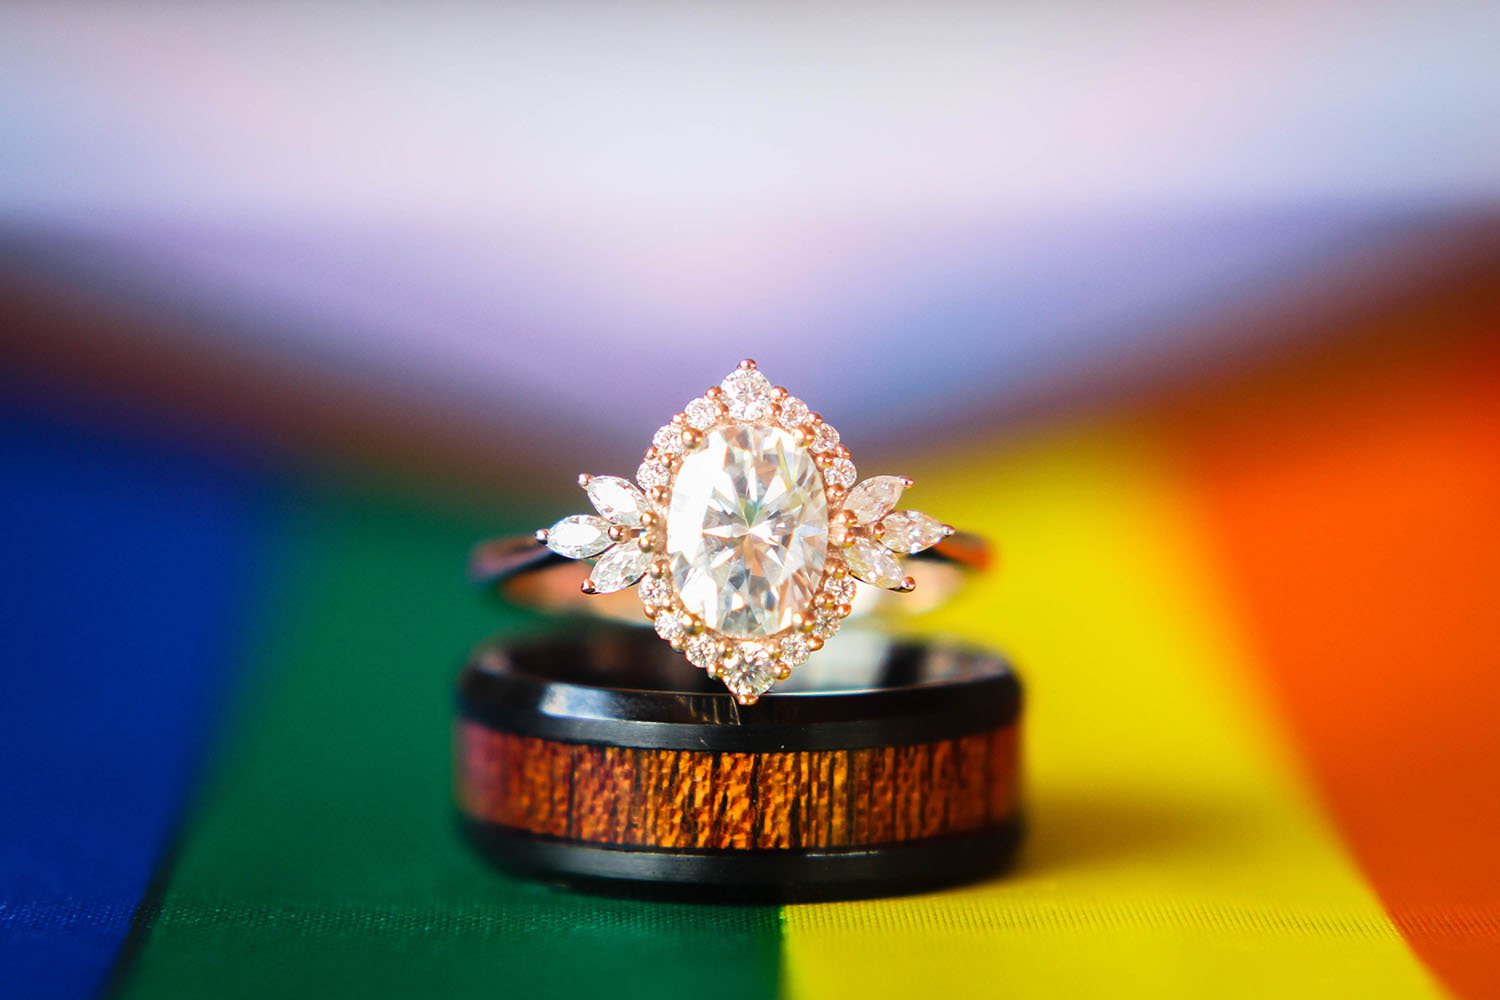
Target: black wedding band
(594, 760)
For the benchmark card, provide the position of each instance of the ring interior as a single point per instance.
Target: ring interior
(615, 657)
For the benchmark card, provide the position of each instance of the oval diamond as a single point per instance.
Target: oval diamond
(747, 530)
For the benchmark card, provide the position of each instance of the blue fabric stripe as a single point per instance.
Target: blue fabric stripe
(131, 561)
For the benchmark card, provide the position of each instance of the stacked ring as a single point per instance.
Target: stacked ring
(583, 759)
(594, 758)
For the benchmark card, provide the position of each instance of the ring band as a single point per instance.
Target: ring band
(584, 759)
(518, 570)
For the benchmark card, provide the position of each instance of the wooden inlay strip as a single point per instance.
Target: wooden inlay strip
(671, 799)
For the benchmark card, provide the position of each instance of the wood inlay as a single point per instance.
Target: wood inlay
(801, 800)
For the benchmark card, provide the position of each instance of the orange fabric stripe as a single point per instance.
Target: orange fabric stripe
(1357, 506)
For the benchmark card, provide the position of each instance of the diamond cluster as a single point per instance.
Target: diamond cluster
(746, 529)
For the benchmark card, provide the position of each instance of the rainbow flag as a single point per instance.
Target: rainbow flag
(1256, 614)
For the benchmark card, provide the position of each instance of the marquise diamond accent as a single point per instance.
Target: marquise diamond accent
(579, 537)
(618, 499)
(875, 564)
(619, 568)
(911, 531)
(874, 498)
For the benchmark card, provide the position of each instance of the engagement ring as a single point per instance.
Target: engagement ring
(747, 535)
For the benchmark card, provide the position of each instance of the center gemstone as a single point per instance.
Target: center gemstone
(747, 530)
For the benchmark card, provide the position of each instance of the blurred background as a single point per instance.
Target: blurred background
(1194, 309)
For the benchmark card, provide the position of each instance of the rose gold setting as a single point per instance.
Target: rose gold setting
(729, 658)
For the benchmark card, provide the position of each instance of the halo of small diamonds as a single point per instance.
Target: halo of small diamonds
(635, 516)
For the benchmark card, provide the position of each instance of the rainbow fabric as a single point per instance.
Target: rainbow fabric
(1257, 619)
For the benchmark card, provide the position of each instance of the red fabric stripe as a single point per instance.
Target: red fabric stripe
(1356, 501)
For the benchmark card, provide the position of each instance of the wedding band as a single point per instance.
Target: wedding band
(747, 536)
(588, 757)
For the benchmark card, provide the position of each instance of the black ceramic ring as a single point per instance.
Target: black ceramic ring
(592, 759)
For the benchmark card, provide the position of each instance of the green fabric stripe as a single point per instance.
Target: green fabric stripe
(324, 861)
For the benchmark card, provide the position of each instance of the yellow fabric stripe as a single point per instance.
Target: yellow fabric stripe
(1174, 851)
